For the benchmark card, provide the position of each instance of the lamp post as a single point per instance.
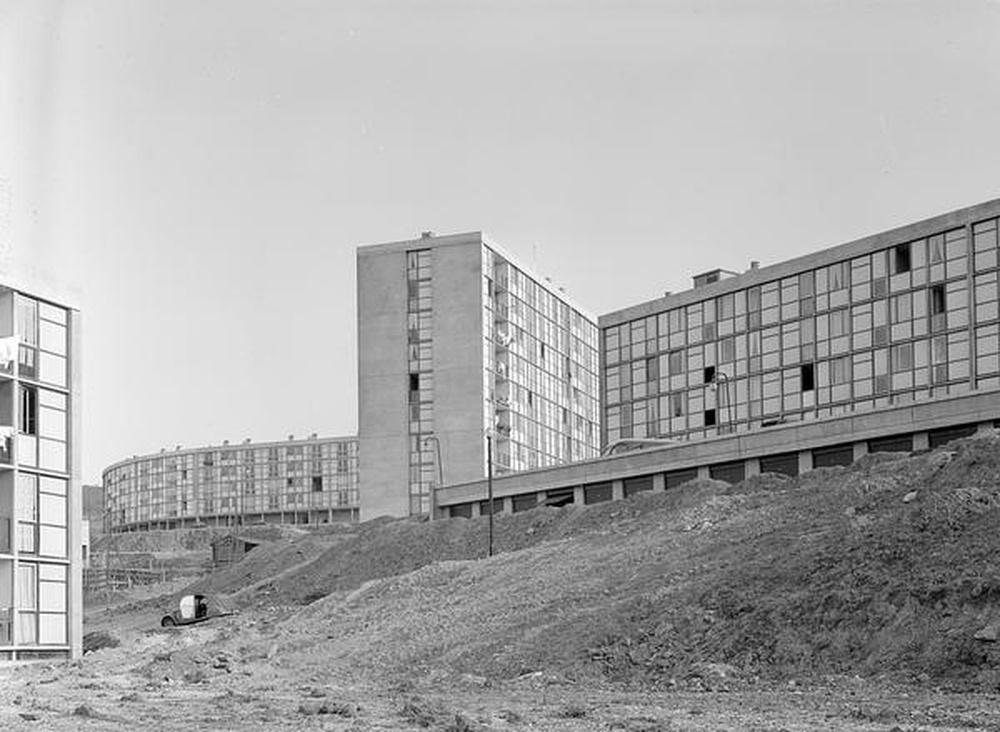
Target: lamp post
(721, 376)
(440, 472)
(489, 487)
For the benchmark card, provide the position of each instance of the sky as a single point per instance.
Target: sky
(197, 175)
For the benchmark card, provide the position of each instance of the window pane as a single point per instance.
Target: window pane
(52, 369)
(52, 455)
(52, 596)
(52, 629)
(52, 541)
(52, 424)
(52, 337)
(52, 509)
(27, 583)
(51, 312)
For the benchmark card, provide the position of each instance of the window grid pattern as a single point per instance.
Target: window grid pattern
(540, 372)
(420, 388)
(913, 320)
(35, 567)
(293, 482)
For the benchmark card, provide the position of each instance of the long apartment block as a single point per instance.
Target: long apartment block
(309, 481)
(890, 342)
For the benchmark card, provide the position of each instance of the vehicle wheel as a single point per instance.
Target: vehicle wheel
(167, 622)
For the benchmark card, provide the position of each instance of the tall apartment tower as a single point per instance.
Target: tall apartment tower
(41, 600)
(457, 343)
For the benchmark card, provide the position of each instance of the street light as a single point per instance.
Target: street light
(721, 376)
(489, 487)
(440, 471)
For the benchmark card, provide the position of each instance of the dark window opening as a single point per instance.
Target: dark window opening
(597, 493)
(28, 418)
(709, 374)
(631, 486)
(559, 498)
(524, 503)
(414, 382)
(787, 464)
(895, 443)
(317, 484)
(709, 417)
(808, 377)
(937, 300)
(733, 472)
(680, 477)
(828, 457)
(937, 438)
(901, 259)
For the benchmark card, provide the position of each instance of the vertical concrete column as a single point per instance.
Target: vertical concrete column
(659, 483)
(860, 449)
(751, 467)
(540, 498)
(921, 441)
(578, 496)
(476, 513)
(506, 504)
(617, 490)
(703, 472)
(805, 461)
(984, 427)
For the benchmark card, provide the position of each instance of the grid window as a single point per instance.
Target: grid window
(984, 238)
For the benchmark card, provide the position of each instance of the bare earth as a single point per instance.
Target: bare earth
(860, 598)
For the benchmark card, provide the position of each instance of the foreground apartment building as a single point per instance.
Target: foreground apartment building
(307, 481)
(41, 602)
(461, 348)
(890, 342)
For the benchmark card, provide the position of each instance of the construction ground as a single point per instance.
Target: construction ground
(858, 598)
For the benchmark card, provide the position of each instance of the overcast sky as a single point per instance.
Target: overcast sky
(200, 173)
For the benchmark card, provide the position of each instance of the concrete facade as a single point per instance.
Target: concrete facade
(457, 342)
(383, 438)
(791, 449)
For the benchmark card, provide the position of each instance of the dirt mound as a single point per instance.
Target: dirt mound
(891, 566)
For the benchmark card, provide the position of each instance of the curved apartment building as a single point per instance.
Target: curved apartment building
(308, 481)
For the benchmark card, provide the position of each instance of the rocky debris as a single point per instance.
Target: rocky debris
(318, 707)
(98, 640)
(702, 588)
(991, 633)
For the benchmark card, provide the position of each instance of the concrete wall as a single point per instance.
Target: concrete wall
(458, 360)
(383, 440)
(976, 408)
